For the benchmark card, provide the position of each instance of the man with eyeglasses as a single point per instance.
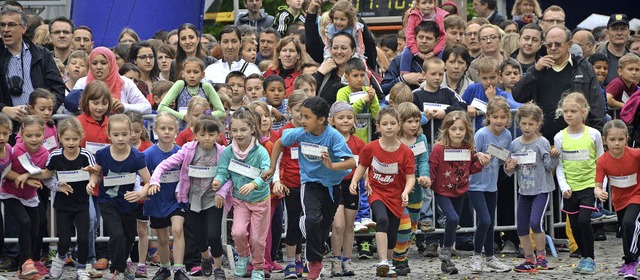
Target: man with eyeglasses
(552, 16)
(556, 74)
(585, 40)
(618, 33)
(83, 39)
(490, 43)
(529, 45)
(471, 36)
(61, 30)
(24, 67)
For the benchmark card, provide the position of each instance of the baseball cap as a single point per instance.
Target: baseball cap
(618, 18)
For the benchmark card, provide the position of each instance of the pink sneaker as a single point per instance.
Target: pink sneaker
(315, 270)
(42, 270)
(276, 267)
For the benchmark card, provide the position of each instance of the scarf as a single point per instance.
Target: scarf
(241, 155)
(113, 79)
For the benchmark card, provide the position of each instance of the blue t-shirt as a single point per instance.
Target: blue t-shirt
(477, 91)
(311, 167)
(115, 194)
(487, 179)
(162, 204)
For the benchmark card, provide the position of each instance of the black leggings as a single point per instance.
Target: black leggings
(294, 211)
(65, 225)
(43, 229)
(201, 230)
(27, 220)
(386, 222)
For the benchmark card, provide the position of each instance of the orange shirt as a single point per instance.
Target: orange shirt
(628, 164)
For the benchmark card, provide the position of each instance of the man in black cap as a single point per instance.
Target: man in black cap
(618, 34)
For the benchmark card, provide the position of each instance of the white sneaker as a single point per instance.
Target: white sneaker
(477, 263)
(368, 222)
(382, 268)
(82, 275)
(495, 265)
(359, 227)
(93, 273)
(57, 267)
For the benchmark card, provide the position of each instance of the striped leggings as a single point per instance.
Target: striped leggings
(406, 231)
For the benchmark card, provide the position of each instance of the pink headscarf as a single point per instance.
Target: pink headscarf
(113, 80)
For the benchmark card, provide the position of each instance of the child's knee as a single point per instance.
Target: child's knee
(382, 223)
(536, 226)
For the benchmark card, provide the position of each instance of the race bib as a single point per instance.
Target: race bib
(525, 158)
(479, 104)
(357, 158)
(623, 181)
(625, 97)
(95, 147)
(73, 176)
(311, 149)
(419, 148)
(182, 110)
(119, 179)
(202, 171)
(434, 106)
(457, 155)
(168, 177)
(294, 153)
(244, 169)
(578, 155)
(50, 143)
(498, 151)
(25, 161)
(356, 96)
(384, 168)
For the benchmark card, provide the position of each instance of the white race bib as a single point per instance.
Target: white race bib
(357, 158)
(311, 149)
(202, 171)
(384, 168)
(244, 169)
(525, 158)
(578, 155)
(73, 176)
(625, 97)
(119, 179)
(168, 177)
(457, 155)
(419, 148)
(356, 96)
(623, 181)
(294, 153)
(25, 161)
(479, 104)
(50, 143)
(434, 106)
(498, 151)
(94, 147)
(182, 110)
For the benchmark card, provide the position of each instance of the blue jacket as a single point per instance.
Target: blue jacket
(477, 91)
(392, 76)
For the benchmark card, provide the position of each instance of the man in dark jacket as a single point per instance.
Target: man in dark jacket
(25, 67)
(555, 75)
(489, 9)
(254, 17)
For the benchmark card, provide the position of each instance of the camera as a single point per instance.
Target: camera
(15, 84)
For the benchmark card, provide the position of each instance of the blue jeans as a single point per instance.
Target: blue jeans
(451, 206)
(484, 203)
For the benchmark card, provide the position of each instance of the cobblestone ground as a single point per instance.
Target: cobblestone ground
(608, 257)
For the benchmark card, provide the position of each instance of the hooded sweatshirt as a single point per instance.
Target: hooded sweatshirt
(27, 195)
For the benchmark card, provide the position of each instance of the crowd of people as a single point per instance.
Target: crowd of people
(263, 116)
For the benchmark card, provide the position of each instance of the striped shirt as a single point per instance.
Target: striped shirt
(15, 68)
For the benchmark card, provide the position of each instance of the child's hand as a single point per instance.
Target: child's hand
(90, 187)
(511, 164)
(424, 181)
(90, 169)
(483, 158)
(132, 197)
(215, 185)
(247, 188)
(439, 114)
(218, 201)
(555, 152)
(117, 106)
(153, 189)
(472, 111)
(314, 6)
(266, 175)
(430, 114)
(566, 194)
(34, 183)
(280, 189)
(601, 194)
(490, 91)
(371, 94)
(326, 160)
(277, 115)
(368, 187)
(405, 199)
(65, 188)
(21, 179)
(353, 188)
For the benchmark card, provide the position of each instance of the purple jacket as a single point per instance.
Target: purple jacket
(183, 158)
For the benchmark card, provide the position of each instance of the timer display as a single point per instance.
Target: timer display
(380, 8)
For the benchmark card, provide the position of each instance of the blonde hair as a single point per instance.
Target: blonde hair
(347, 8)
(576, 97)
(71, 124)
(296, 98)
(494, 105)
(517, 11)
(530, 110)
(510, 43)
(429, 61)
(448, 121)
(6, 121)
(118, 118)
(400, 93)
(408, 110)
(486, 64)
(629, 58)
(166, 115)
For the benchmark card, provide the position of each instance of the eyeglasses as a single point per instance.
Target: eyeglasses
(145, 57)
(553, 44)
(553, 21)
(471, 34)
(489, 38)
(57, 32)
(11, 25)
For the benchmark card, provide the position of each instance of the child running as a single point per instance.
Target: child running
(581, 146)
(391, 166)
(533, 160)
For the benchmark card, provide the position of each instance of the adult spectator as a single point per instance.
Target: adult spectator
(189, 45)
(585, 40)
(61, 30)
(426, 38)
(553, 16)
(125, 93)
(268, 39)
(83, 39)
(525, 12)
(471, 36)
(600, 34)
(488, 9)
(231, 61)
(166, 55)
(490, 40)
(11, 4)
(389, 45)
(529, 45)
(450, 6)
(288, 64)
(254, 17)
(25, 67)
(618, 34)
(555, 75)
(633, 44)
(128, 36)
(143, 55)
(172, 38)
(456, 62)
(454, 27)
(248, 32)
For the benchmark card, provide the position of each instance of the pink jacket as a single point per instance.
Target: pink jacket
(414, 19)
(38, 158)
(183, 158)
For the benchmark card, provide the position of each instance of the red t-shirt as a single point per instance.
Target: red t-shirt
(387, 173)
(144, 145)
(93, 130)
(187, 136)
(616, 87)
(289, 167)
(629, 164)
(451, 178)
(355, 144)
